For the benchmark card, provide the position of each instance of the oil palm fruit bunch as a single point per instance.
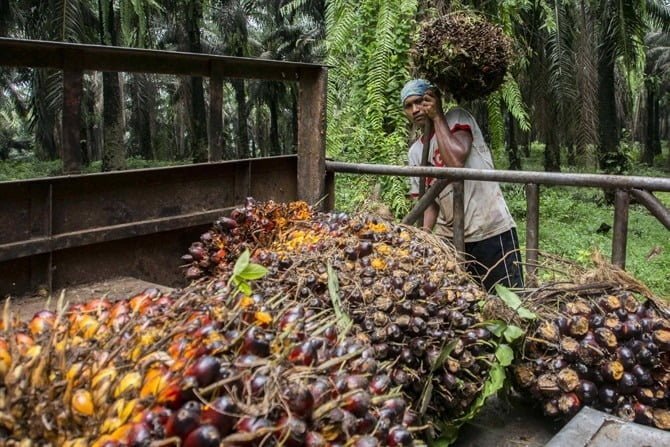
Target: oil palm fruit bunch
(205, 366)
(605, 349)
(463, 54)
(400, 289)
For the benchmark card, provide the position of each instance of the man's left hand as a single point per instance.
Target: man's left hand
(432, 105)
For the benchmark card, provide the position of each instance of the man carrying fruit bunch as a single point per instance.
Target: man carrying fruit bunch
(491, 242)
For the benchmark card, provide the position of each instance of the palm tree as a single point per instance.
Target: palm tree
(622, 27)
(657, 83)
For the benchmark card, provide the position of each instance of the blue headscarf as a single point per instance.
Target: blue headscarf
(415, 87)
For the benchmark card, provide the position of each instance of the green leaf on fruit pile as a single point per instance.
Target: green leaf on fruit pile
(496, 327)
(514, 302)
(505, 355)
(512, 333)
(241, 263)
(253, 271)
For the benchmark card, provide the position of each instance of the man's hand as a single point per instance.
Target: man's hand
(432, 105)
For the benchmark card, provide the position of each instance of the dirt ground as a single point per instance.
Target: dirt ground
(113, 289)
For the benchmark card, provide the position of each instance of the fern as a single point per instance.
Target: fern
(496, 122)
(511, 97)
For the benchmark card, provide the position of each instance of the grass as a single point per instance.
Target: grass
(569, 218)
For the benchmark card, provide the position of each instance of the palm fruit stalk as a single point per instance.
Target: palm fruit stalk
(463, 54)
(606, 348)
(402, 290)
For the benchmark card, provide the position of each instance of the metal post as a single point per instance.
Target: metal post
(329, 203)
(619, 239)
(655, 206)
(420, 206)
(459, 217)
(215, 118)
(312, 136)
(427, 131)
(71, 125)
(532, 230)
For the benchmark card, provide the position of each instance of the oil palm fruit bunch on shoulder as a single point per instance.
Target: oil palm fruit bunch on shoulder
(399, 288)
(463, 54)
(608, 349)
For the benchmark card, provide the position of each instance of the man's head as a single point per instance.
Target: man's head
(411, 97)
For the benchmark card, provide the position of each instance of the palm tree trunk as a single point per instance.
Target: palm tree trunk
(275, 144)
(113, 151)
(512, 145)
(242, 117)
(198, 112)
(609, 159)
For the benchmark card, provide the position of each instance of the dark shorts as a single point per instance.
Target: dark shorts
(496, 260)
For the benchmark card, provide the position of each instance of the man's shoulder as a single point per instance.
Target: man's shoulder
(459, 115)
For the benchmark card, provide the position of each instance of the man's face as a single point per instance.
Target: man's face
(413, 110)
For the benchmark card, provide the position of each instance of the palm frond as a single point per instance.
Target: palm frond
(496, 122)
(510, 93)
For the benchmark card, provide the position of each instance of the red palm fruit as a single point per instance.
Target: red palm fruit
(399, 436)
(139, 435)
(587, 391)
(358, 403)
(643, 414)
(366, 441)
(258, 383)
(221, 413)
(380, 384)
(612, 370)
(293, 431)
(315, 439)
(41, 322)
(203, 436)
(300, 400)
(255, 343)
(628, 383)
(321, 391)
(182, 422)
(205, 370)
(569, 404)
(304, 354)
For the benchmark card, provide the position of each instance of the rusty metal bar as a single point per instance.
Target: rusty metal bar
(36, 53)
(312, 136)
(548, 178)
(107, 233)
(655, 207)
(420, 206)
(427, 131)
(620, 228)
(459, 217)
(532, 230)
(71, 125)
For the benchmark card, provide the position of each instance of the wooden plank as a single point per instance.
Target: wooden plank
(312, 136)
(33, 53)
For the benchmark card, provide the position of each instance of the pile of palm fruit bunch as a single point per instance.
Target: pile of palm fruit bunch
(602, 344)
(463, 54)
(400, 289)
(204, 367)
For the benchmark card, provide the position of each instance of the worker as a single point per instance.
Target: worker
(491, 242)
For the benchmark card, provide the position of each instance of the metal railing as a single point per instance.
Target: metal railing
(624, 187)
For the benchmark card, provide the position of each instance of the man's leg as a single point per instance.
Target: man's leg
(498, 260)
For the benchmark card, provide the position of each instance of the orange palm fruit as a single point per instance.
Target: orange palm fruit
(82, 402)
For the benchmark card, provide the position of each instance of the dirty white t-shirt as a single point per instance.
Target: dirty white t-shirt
(486, 213)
